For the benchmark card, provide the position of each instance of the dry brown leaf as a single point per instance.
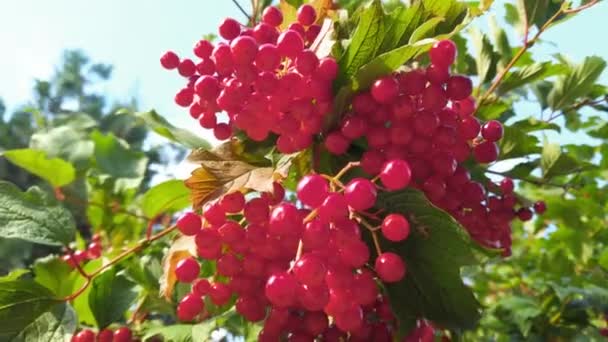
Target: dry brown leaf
(181, 248)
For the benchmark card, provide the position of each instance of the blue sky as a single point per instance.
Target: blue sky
(132, 35)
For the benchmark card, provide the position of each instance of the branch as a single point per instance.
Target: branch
(531, 181)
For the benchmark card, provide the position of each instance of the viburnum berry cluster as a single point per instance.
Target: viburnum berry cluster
(266, 80)
(92, 252)
(122, 334)
(297, 265)
(425, 116)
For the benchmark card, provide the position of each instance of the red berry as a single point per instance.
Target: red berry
(469, 128)
(184, 97)
(265, 34)
(353, 127)
(315, 322)
(492, 130)
(307, 62)
(123, 335)
(201, 287)
(85, 336)
(312, 33)
(284, 220)
(268, 57)
(187, 270)
(189, 224)
(244, 50)
(486, 152)
(220, 293)
(434, 98)
(459, 87)
(327, 69)
(186, 68)
(256, 210)
(412, 82)
(228, 265)
(312, 190)
(390, 267)
(333, 208)
(190, 306)
(372, 161)
(360, 194)
(251, 308)
(524, 214)
(272, 16)
(316, 234)
(222, 131)
(169, 60)
(290, 43)
(229, 29)
(443, 53)
(281, 289)
(309, 270)
(540, 207)
(306, 15)
(207, 87)
(336, 143)
(385, 89)
(395, 227)
(94, 250)
(395, 174)
(507, 186)
(105, 335)
(203, 49)
(437, 74)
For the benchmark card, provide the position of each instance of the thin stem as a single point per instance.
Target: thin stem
(580, 8)
(376, 242)
(242, 10)
(531, 181)
(77, 264)
(344, 170)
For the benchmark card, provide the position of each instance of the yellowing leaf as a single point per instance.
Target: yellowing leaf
(181, 248)
(324, 8)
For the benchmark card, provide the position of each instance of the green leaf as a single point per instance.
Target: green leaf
(577, 82)
(400, 24)
(492, 111)
(425, 30)
(179, 135)
(501, 41)
(56, 171)
(517, 143)
(550, 155)
(529, 74)
(110, 287)
(520, 310)
(603, 259)
(484, 58)
(532, 124)
(168, 196)
(56, 325)
(81, 303)
(202, 331)
(365, 41)
(31, 217)
(173, 333)
(434, 253)
(115, 159)
(65, 142)
(21, 303)
(55, 274)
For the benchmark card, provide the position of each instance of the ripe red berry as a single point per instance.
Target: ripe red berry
(390, 267)
(229, 29)
(385, 89)
(395, 174)
(312, 33)
(309, 270)
(307, 62)
(507, 185)
(486, 152)
(105, 335)
(443, 53)
(272, 16)
(437, 74)
(281, 289)
(469, 128)
(336, 143)
(207, 87)
(412, 82)
(189, 224)
(459, 87)
(306, 15)
(186, 68)
(434, 98)
(284, 220)
(232, 202)
(360, 194)
(312, 190)
(220, 293)
(203, 49)
(244, 50)
(492, 130)
(123, 334)
(327, 69)
(333, 208)
(395, 227)
(169, 60)
(222, 131)
(290, 43)
(184, 97)
(201, 287)
(187, 270)
(315, 235)
(540, 207)
(85, 336)
(353, 127)
(190, 306)
(93, 250)
(524, 214)
(251, 308)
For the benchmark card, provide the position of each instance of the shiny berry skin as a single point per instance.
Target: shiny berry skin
(395, 174)
(390, 267)
(281, 289)
(187, 270)
(307, 62)
(412, 82)
(437, 74)
(316, 234)
(353, 127)
(272, 16)
(94, 250)
(333, 208)
(105, 335)
(336, 143)
(201, 287)
(123, 334)
(186, 68)
(285, 219)
(492, 130)
(312, 190)
(251, 308)
(290, 43)
(207, 87)
(190, 306)
(220, 293)
(244, 49)
(507, 186)
(443, 53)
(360, 194)
(395, 227)
(434, 98)
(306, 15)
(309, 270)
(469, 128)
(524, 214)
(486, 152)
(222, 131)
(203, 49)
(169, 60)
(540, 207)
(85, 336)
(229, 29)
(232, 202)
(385, 90)
(189, 224)
(184, 97)
(459, 87)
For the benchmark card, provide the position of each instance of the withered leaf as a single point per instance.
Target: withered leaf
(182, 248)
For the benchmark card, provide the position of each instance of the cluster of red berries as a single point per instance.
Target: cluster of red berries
(92, 252)
(426, 117)
(106, 335)
(309, 262)
(267, 81)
